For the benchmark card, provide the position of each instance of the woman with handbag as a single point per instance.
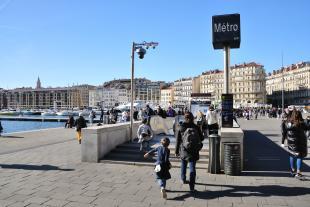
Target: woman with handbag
(163, 164)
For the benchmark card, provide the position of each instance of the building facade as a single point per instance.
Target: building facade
(148, 92)
(44, 98)
(166, 97)
(107, 97)
(294, 80)
(246, 83)
(212, 82)
(145, 90)
(183, 89)
(3, 99)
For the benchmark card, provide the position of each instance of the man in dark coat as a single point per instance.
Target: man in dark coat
(186, 156)
(79, 124)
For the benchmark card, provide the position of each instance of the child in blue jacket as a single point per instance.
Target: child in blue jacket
(163, 164)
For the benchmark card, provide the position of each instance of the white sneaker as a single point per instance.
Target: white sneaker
(163, 193)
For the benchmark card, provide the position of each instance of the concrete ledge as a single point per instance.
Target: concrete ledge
(98, 141)
(231, 135)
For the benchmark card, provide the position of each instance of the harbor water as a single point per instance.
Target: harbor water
(18, 126)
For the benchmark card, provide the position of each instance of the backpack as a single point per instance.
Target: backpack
(191, 140)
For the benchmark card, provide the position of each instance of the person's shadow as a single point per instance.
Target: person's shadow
(244, 191)
(33, 167)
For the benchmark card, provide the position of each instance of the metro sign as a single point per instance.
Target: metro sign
(226, 31)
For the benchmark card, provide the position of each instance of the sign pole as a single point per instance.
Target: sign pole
(226, 68)
(132, 87)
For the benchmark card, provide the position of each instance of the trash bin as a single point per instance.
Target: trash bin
(214, 154)
(232, 158)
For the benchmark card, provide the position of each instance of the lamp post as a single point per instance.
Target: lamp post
(282, 85)
(139, 48)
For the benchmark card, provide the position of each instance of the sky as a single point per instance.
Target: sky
(69, 42)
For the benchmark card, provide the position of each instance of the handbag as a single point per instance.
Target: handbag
(157, 168)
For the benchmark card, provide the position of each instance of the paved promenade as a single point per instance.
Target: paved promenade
(45, 170)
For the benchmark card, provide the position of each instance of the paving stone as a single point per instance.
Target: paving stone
(26, 192)
(4, 203)
(17, 204)
(17, 197)
(76, 204)
(37, 200)
(91, 193)
(81, 199)
(56, 203)
(106, 202)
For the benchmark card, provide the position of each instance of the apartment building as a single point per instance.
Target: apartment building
(166, 97)
(183, 88)
(295, 82)
(107, 97)
(246, 83)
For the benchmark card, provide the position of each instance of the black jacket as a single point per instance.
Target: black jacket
(80, 123)
(296, 138)
(179, 149)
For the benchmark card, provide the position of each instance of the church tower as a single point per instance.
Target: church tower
(38, 83)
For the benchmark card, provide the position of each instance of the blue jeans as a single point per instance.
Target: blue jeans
(298, 162)
(192, 172)
(162, 183)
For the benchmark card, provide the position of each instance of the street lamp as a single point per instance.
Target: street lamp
(139, 48)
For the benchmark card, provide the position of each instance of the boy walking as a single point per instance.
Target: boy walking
(163, 165)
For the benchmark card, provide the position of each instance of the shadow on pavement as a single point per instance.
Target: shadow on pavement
(263, 157)
(10, 136)
(33, 167)
(245, 191)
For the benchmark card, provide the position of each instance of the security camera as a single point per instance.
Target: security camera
(141, 52)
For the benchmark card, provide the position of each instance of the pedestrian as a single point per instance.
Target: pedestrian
(212, 120)
(295, 128)
(307, 121)
(135, 114)
(79, 124)
(145, 134)
(149, 113)
(101, 115)
(69, 122)
(200, 117)
(163, 164)
(188, 144)
(1, 128)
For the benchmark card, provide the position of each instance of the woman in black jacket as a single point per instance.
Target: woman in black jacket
(187, 156)
(294, 129)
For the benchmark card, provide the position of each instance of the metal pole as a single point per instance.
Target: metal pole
(282, 85)
(226, 69)
(132, 89)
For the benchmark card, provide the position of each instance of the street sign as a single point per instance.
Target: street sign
(227, 110)
(226, 31)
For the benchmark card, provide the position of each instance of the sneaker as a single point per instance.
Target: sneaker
(299, 176)
(183, 181)
(163, 193)
(293, 173)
